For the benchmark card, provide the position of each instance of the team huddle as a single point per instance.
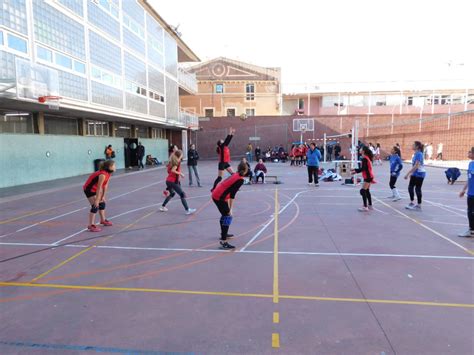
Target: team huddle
(223, 192)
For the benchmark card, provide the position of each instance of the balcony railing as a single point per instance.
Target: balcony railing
(187, 80)
(189, 119)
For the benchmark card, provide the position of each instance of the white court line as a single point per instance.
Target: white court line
(439, 222)
(112, 247)
(376, 209)
(426, 227)
(271, 221)
(80, 209)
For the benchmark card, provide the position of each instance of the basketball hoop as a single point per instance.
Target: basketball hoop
(52, 101)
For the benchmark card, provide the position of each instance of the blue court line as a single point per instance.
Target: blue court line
(97, 349)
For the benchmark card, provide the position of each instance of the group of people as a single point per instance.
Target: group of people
(416, 176)
(428, 151)
(277, 154)
(223, 192)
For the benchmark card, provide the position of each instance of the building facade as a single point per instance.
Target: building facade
(228, 87)
(113, 64)
(426, 98)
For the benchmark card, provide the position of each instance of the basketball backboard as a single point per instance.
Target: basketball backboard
(35, 80)
(303, 124)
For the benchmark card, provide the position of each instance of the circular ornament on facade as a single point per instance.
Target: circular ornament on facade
(218, 70)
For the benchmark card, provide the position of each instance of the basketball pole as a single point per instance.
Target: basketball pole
(325, 147)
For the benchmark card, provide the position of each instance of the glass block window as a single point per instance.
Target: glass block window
(50, 25)
(172, 100)
(104, 53)
(106, 95)
(155, 30)
(98, 16)
(7, 65)
(61, 125)
(132, 41)
(135, 103)
(72, 86)
(133, 25)
(135, 11)
(135, 69)
(75, 6)
(156, 80)
(13, 15)
(157, 109)
(171, 55)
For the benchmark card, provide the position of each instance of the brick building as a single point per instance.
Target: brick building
(228, 87)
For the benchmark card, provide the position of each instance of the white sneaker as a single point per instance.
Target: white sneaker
(316, 185)
(411, 206)
(363, 209)
(190, 211)
(467, 234)
(163, 209)
(396, 198)
(310, 184)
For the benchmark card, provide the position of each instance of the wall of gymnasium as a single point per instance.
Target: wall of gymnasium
(30, 158)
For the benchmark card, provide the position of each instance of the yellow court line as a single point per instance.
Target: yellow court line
(234, 294)
(275, 340)
(89, 248)
(275, 250)
(276, 317)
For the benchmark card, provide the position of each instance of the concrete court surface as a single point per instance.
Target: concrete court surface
(310, 274)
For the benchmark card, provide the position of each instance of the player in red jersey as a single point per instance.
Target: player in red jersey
(368, 175)
(95, 190)
(173, 184)
(223, 196)
(223, 152)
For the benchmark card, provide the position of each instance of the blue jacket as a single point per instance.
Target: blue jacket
(396, 165)
(314, 156)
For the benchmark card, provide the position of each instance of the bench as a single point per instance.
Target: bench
(275, 177)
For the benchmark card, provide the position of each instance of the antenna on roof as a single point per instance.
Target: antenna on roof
(175, 30)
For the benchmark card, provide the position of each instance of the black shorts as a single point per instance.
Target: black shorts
(223, 166)
(89, 193)
(223, 207)
(369, 180)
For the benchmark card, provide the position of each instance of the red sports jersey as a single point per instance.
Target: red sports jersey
(172, 177)
(224, 154)
(228, 188)
(91, 183)
(369, 173)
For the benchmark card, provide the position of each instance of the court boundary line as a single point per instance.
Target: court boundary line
(296, 253)
(235, 294)
(435, 232)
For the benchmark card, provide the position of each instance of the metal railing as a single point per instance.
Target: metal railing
(189, 119)
(187, 80)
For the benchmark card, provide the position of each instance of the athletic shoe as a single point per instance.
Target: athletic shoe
(106, 223)
(226, 246)
(371, 208)
(190, 211)
(410, 206)
(396, 198)
(316, 185)
(363, 209)
(163, 209)
(93, 228)
(417, 208)
(166, 193)
(310, 184)
(199, 185)
(467, 234)
(389, 197)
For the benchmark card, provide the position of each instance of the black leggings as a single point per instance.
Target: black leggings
(313, 172)
(174, 189)
(223, 207)
(470, 212)
(393, 181)
(366, 196)
(415, 186)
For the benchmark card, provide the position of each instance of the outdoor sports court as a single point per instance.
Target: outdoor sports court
(309, 275)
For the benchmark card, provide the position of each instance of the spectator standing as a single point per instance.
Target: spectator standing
(313, 157)
(193, 157)
(258, 153)
(249, 152)
(140, 155)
